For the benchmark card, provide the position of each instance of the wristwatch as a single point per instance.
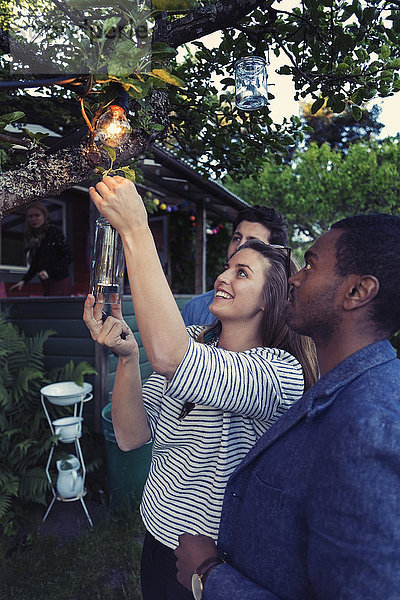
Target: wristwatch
(198, 578)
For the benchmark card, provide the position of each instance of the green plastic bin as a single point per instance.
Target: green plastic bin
(126, 471)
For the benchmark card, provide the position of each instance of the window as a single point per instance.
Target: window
(12, 228)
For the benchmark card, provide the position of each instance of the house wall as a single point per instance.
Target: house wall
(72, 341)
(81, 245)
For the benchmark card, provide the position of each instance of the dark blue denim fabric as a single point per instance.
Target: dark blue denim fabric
(195, 312)
(313, 511)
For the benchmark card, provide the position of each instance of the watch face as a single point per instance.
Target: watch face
(197, 587)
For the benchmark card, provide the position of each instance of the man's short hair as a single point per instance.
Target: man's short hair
(269, 217)
(370, 245)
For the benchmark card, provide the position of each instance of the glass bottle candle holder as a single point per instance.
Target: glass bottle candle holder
(108, 264)
(251, 83)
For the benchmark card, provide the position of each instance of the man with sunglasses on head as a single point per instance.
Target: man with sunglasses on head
(313, 510)
(254, 223)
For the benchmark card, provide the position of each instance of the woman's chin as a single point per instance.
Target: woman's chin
(217, 311)
(213, 310)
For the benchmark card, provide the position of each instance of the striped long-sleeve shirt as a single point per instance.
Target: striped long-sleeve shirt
(238, 395)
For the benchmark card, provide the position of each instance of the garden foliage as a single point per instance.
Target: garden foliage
(24, 431)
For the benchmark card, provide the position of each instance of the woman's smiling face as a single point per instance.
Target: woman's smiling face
(239, 290)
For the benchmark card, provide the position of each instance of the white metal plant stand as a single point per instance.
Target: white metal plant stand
(69, 429)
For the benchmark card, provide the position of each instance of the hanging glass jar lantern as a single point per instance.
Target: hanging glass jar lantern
(251, 83)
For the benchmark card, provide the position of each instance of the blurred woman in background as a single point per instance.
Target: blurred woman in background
(48, 253)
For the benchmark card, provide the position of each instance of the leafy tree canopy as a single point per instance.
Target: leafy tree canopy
(341, 53)
(340, 130)
(323, 185)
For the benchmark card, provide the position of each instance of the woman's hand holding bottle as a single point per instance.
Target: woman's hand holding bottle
(119, 202)
(113, 333)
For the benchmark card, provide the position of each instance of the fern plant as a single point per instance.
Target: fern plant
(24, 431)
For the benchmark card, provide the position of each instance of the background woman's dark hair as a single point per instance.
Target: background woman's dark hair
(275, 333)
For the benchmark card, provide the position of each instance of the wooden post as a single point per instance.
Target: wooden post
(200, 265)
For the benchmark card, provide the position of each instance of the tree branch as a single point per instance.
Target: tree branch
(9, 139)
(47, 175)
(206, 20)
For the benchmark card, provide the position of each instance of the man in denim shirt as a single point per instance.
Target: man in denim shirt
(313, 511)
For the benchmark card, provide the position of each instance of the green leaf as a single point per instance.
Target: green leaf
(317, 105)
(392, 35)
(285, 70)
(110, 25)
(357, 8)
(174, 5)
(228, 81)
(156, 126)
(343, 67)
(125, 59)
(5, 503)
(3, 156)
(132, 84)
(362, 54)
(356, 112)
(167, 77)
(384, 89)
(370, 93)
(159, 49)
(338, 106)
(128, 172)
(14, 116)
(386, 76)
(111, 152)
(35, 137)
(384, 52)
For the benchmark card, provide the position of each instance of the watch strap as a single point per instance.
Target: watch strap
(206, 566)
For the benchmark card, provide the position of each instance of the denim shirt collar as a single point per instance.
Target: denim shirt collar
(323, 393)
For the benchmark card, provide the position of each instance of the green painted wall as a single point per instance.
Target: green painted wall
(72, 339)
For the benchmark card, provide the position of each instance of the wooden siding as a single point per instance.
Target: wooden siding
(72, 341)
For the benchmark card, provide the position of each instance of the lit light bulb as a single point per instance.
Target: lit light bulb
(113, 128)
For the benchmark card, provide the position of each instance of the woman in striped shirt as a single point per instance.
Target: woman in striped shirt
(213, 392)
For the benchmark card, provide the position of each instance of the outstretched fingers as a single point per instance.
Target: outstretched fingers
(92, 316)
(113, 332)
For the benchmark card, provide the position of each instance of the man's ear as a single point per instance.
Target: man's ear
(363, 290)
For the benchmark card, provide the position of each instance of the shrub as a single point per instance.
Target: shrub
(395, 340)
(24, 431)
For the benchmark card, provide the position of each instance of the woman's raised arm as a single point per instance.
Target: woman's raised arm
(161, 326)
(129, 417)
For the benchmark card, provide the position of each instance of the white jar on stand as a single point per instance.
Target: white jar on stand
(69, 479)
(70, 483)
